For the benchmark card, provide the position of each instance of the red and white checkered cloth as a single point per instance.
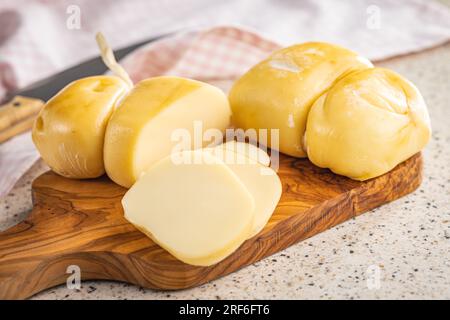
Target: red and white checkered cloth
(217, 55)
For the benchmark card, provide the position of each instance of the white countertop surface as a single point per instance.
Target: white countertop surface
(407, 241)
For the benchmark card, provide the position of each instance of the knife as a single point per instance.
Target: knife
(18, 113)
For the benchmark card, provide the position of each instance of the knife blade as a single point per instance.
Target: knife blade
(22, 106)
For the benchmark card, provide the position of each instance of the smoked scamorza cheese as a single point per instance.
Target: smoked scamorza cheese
(142, 129)
(366, 124)
(200, 211)
(69, 131)
(278, 92)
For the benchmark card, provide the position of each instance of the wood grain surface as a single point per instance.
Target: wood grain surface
(80, 222)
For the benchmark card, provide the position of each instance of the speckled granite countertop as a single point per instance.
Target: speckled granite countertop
(406, 243)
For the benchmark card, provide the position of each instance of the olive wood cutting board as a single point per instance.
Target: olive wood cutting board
(80, 222)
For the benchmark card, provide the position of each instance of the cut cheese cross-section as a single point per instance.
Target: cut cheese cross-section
(263, 184)
(199, 212)
(249, 150)
(146, 124)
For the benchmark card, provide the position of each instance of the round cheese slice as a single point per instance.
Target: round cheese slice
(262, 182)
(249, 150)
(199, 211)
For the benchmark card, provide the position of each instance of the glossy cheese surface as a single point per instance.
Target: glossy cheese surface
(369, 122)
(69, 131)
(278, 92)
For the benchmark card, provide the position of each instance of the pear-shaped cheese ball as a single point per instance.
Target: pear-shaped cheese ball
(70, 129)
(278, 92)
(366, 124)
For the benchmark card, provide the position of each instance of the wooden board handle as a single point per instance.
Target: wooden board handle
(36, 254)
(18, 115)
(81, 222)
(21, 256)
(34, 247)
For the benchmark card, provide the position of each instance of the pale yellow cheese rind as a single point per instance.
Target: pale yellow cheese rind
(369, 122)
(69, 131)
(142, 129)
(199, 212)
(278, 92)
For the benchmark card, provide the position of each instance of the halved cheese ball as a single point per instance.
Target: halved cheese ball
(144, 127)
(249, 150)
(199, 212)
(369, 122)
(69, 131)
(278, 92)
(262, 182)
